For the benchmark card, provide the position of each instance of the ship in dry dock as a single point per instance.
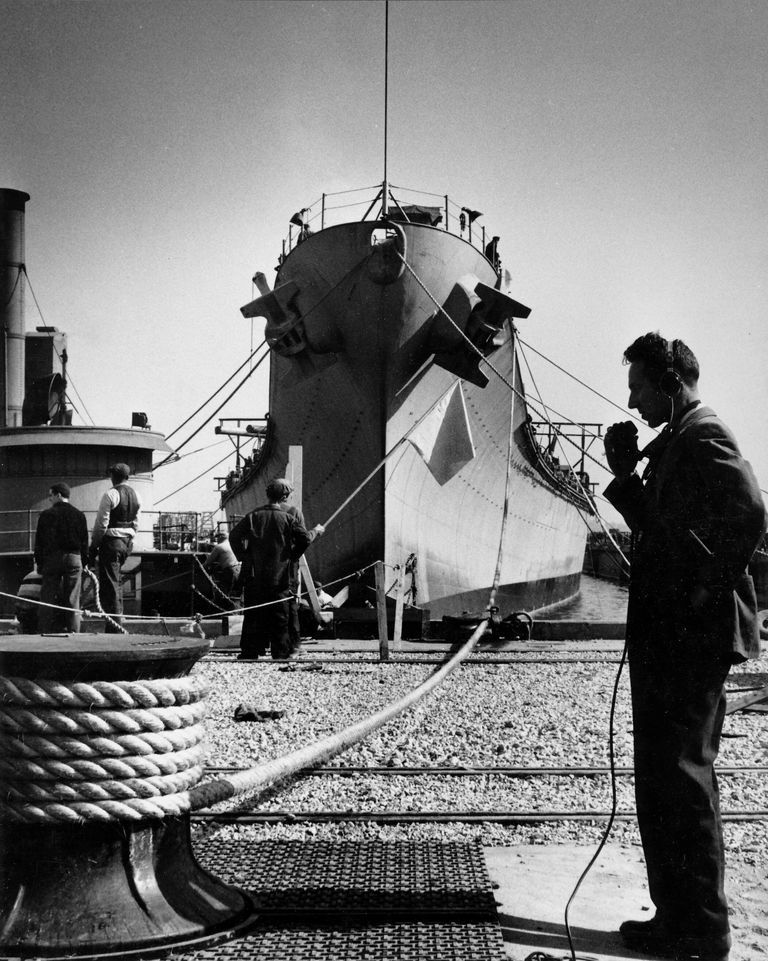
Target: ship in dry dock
(392, 340)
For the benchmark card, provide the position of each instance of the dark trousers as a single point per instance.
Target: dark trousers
(678, 706)
(274, 628)
(113, 552)
(61, 579)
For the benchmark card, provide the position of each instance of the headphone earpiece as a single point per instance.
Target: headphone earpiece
(670, 382)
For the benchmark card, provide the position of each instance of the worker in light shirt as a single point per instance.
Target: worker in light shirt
(117, 520)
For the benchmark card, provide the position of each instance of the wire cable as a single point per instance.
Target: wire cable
(585, 492)
(614, 801)
(70, 382)
(19, 271)
(206, 471)
(613, 403)
(218, 389)
(174, 456)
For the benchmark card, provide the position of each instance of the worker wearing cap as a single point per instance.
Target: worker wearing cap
(117, 520)
(269, 541)
(61, 550)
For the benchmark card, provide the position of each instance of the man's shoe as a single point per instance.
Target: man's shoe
(657, 937)
(652, 935)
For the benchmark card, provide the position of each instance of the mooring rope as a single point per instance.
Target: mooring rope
(73, 765)
(99, 751)
(266, 775)
(111, 620)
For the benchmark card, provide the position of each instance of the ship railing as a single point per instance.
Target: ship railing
(262, 431)
(163, 531)
(339, 207)
(544, 437)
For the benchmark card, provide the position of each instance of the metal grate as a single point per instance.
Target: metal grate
(407, 941)
(376, 878)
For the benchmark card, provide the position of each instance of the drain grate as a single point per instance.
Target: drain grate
(413, 941)
(377, 878)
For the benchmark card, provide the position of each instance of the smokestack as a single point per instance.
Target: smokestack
(12, 205)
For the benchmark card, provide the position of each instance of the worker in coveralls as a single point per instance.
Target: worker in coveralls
(269, 541)
(696, 516)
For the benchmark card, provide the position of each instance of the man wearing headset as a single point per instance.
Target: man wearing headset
(696, 516)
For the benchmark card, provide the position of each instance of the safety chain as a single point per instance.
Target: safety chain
(100, 751)
(213, 584)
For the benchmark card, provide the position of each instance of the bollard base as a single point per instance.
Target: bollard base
(94, 891)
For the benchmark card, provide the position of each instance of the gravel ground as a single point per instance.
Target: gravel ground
(519, 714)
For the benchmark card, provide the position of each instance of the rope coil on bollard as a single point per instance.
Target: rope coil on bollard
(99, 751)
(67, 755)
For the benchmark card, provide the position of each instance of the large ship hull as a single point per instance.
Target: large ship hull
(361, 355)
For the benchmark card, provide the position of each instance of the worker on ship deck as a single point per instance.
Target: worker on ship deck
(222, 564)
(61, 552)
(269, 542)
(117, 520)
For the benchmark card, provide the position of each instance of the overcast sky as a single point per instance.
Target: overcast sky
(619, 149)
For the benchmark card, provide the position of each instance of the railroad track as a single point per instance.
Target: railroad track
(463, 817)
(436, 817)
(590, 771)
(513, 657)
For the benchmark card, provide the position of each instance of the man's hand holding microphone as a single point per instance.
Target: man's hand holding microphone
(621, 449)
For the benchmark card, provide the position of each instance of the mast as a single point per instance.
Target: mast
(385, 185)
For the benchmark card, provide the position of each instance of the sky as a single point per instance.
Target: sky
(619, 150)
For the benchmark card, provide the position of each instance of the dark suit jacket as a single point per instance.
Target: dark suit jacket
(698, 517)
(61, 528)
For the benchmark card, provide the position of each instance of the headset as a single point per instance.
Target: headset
(670, 382)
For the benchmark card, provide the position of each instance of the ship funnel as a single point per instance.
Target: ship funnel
(12, 207)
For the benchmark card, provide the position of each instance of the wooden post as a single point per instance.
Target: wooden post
(381, 611)
(397, 634)
(306, 575)
(294, 474)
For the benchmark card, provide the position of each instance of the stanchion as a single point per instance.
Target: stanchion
(381, 611)
(100, 740)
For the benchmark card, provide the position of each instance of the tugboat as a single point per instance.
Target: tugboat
(39, 445)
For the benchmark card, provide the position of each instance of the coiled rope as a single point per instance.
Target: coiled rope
(99, 751)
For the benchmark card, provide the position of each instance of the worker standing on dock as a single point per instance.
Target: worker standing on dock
(117, 520)
(61, 552)
(696, 516)
(269, 542)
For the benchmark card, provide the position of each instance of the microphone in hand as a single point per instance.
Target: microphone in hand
(621, 450)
